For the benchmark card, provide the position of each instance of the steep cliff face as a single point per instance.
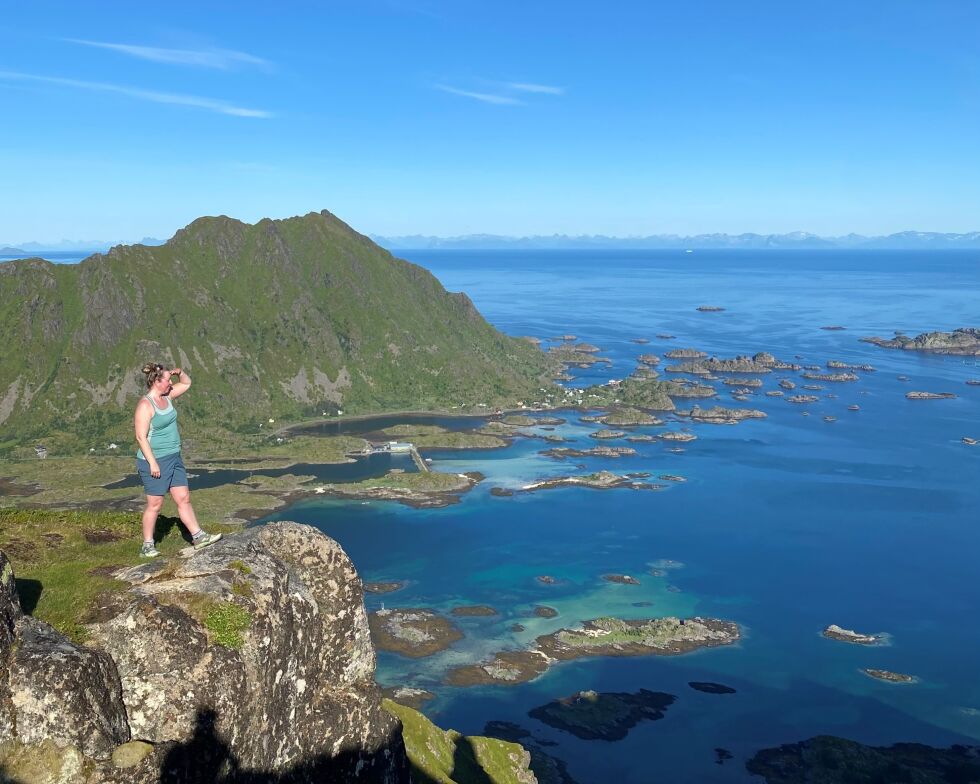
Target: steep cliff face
(248, 661)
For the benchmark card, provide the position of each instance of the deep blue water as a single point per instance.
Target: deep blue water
(785, 525)
(56, 257)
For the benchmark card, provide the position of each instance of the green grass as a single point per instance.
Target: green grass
(241, 566)
(59, 572)
(423, 482)
(225, 623)
(447, 757)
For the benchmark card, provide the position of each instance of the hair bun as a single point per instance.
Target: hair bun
(151, 367)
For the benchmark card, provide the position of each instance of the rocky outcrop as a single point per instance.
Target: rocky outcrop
(963, 341)
(719, 415)
(247, 661)
(930, 395)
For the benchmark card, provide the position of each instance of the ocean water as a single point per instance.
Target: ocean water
(784, 525)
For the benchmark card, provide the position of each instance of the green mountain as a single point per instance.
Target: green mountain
(282, 319)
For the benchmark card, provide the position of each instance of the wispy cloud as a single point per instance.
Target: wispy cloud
(485, 97)
(223, 59)
(528, 87)
(211, 104)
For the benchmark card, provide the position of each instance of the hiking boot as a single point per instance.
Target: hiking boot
(149, 550)
(204, 539)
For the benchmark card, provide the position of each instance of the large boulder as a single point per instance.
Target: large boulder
(10, 612)
(64, 692)
(250, 660)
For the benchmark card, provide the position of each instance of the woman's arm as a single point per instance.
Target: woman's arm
(141, 423)
(182, 385)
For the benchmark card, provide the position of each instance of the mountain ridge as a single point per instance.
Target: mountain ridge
(280, 319)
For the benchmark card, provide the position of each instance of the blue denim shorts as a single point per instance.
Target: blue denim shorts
(172, 474)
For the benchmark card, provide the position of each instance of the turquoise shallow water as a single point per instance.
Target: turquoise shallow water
(785, 524)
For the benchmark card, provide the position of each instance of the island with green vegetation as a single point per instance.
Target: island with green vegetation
(425, 489)
(598, 637)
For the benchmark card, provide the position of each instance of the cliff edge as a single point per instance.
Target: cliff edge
(248, 661)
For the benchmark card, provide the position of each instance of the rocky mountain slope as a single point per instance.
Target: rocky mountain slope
(280, 319)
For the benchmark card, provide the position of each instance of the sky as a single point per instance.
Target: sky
(120, 120)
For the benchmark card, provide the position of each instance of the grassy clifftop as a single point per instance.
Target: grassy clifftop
(280, 319)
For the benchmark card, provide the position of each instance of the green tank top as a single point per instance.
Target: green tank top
(164, 437)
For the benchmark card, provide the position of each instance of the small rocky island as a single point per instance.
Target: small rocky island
(607, 434)
(930, 395)
(719, 415)
(384, 587)
(622, 579)
(608, 716)
(964, 341)
(601, 480)
(413, 632)
(835, 632)
(628, 417)
(711, 688)
(889, 676)
(599, 637)
(425, 489)
(562, 453)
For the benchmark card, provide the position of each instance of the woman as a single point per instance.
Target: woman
(158, 458)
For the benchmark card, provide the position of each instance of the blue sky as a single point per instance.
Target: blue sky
(122, 120)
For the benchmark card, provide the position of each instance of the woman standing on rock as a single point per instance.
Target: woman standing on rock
(158, 459)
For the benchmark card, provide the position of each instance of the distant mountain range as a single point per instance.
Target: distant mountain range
(64, 246)
(906, 240)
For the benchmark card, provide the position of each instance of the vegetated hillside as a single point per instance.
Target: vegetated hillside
(281, 319)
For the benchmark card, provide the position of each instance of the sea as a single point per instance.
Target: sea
(784, 525)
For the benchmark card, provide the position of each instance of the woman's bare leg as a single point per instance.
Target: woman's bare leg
(182, 497)
(153, 505)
